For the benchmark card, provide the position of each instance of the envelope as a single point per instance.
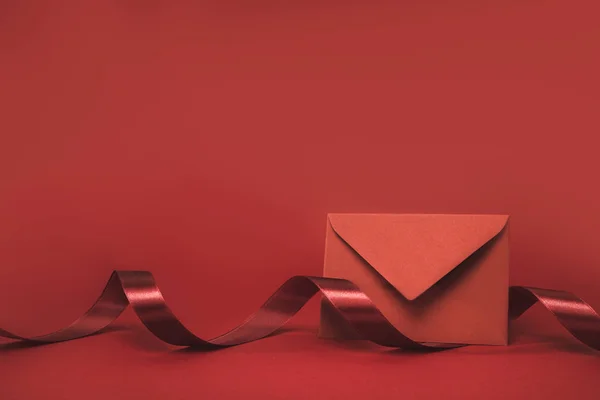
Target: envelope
(436, 277)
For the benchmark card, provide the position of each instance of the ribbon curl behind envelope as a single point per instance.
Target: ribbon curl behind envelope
(438, 278)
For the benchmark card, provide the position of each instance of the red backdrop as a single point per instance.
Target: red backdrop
(207, 142)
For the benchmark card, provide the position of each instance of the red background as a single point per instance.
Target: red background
(207, 142)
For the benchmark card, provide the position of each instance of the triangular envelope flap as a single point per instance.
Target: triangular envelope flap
(413, 251)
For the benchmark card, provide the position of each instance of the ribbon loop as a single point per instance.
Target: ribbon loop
(139, 289)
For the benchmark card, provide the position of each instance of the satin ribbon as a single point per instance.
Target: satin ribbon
(139, 289)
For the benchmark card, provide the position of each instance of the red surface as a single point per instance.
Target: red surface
(210, 141)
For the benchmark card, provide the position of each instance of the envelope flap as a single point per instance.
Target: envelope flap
(413, 251)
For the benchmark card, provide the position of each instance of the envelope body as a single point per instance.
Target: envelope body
(436, 277)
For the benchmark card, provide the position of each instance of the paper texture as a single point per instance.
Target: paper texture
(435, 277)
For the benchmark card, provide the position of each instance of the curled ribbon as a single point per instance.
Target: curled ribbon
(139, 289)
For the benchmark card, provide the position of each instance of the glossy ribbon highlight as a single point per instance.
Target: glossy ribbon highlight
(139, 289)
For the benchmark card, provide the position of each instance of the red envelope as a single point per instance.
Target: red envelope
(435, 277)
